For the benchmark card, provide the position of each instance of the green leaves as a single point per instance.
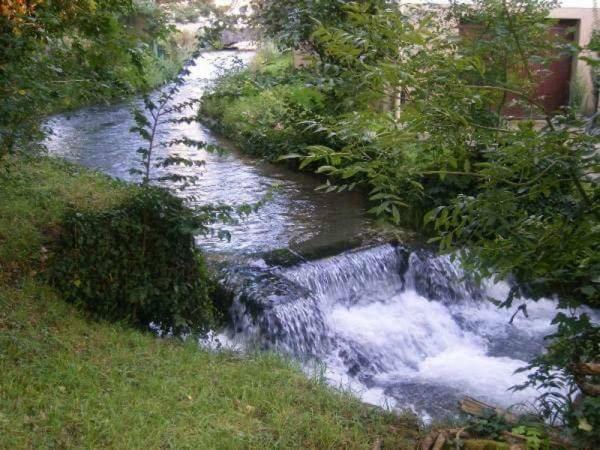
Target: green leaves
(423, 128)
(159, 112)
(64, 54)
(137, 263)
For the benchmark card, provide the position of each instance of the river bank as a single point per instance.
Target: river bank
(74, 382)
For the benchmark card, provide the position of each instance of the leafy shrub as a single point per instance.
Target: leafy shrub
(136, 263)
(291, 23)
(264, 108)
(60, 55)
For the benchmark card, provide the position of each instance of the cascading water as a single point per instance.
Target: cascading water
(402, 329)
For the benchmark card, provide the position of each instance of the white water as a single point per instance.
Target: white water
(402, 331)
(420, 341)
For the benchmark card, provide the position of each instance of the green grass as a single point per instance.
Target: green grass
(264, 108)
(70, 382)
(35, 193)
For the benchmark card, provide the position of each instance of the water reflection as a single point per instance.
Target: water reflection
(99, 137)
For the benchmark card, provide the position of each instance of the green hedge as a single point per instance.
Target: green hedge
(136, 263)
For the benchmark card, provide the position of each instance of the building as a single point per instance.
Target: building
(578, 84)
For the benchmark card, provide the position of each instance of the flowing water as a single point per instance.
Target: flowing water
(99, 137)
(402, 328)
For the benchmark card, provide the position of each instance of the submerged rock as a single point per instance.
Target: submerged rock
(439, 278)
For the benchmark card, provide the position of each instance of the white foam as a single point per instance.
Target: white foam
(415, 339)
(471, 371)
(402, 331)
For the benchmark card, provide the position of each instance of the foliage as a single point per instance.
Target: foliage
(211, 36)
(264, 110)
(291, 23)
(158, 162)
(535, 440)
(136, 263)
(36, 193)
(162, 110)
(429, 133)
(189, 11)
(535, 434)
(490, 427)
(60, 54)
(46, 202)
(421, 154)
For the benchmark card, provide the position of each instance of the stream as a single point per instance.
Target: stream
(402, 328)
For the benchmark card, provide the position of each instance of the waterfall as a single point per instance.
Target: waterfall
(403, 328)
(406, 329)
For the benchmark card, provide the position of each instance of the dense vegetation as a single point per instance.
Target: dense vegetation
(125, 255)
(70, 381)
(291, 23)
(400, 105)
(188, 11)
(392, 101)
(136, 263)
(60, 54)
(263, 109)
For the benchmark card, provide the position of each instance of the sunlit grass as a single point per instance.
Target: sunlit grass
(67, 381)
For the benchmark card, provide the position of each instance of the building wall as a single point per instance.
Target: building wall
(581, 81)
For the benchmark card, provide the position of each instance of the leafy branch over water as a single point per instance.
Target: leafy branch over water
(157, 163)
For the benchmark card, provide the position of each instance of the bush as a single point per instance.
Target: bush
(136, 263)
(264, 109)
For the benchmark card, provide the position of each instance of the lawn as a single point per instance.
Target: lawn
(68, 381)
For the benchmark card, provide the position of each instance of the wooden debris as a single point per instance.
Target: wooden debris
(457, 435)
(479, 409)
(437, 438)
(377, 444)
(427, 442)
(440, 441)
(586, 368)
(581, 373)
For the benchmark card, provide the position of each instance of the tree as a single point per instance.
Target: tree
(291, 23)
(513, 198)
(80, 50)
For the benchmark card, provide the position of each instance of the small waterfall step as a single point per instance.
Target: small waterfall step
(403, 326)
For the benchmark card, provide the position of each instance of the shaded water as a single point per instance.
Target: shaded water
(402, 328)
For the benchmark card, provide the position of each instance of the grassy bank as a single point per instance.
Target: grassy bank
(265, 107)
(69, 381)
